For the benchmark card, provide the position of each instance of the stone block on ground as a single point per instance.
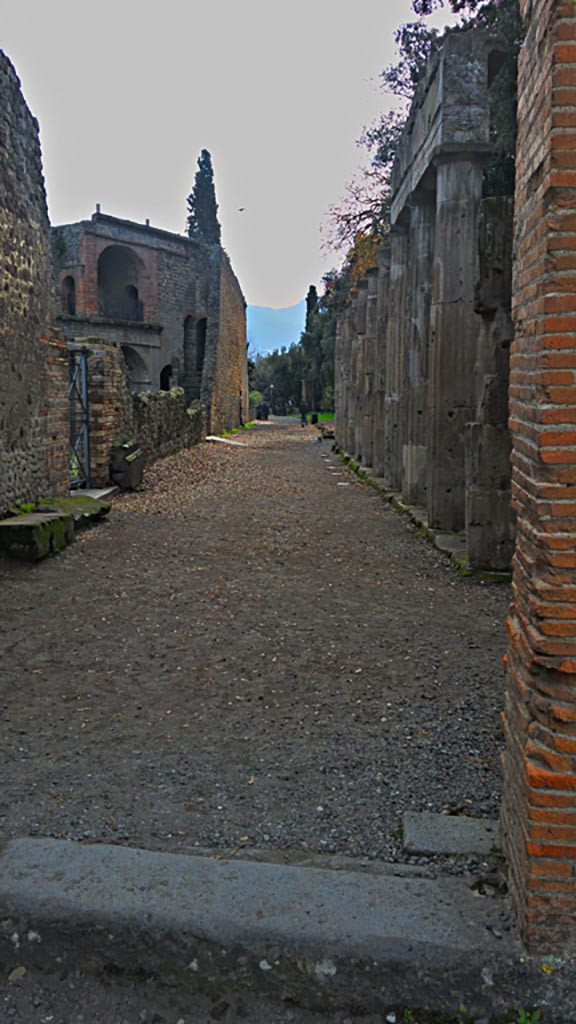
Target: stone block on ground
(33, 536)
(427, 833)
(450, 543)
(127, 467)
(82, 507)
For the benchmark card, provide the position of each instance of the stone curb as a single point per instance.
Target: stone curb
(323, 938)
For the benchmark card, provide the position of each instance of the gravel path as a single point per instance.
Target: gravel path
(254, 657)
(255, 652)
(81, 999)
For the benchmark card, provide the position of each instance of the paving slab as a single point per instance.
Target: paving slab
(318, 937)
(428, 833)
(99, 493)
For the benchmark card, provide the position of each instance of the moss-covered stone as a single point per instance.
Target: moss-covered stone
(33, 536)
(81, 507)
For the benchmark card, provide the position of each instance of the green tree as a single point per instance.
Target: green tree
(305, 370)
(415, 43)
(202, 221)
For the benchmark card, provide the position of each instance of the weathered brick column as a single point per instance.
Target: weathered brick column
(539, 807)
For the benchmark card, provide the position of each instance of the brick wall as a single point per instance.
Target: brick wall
(539, 807)
(109, 406)
(33, 429)
(158, 421)
(179, 280)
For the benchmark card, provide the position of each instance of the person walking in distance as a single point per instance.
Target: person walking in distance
(303, 415)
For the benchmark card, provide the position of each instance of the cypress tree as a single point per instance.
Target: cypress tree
(202, 221)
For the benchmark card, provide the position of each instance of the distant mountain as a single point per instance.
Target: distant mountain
(269, 329)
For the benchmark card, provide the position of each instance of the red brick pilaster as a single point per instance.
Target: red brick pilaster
(539, 807)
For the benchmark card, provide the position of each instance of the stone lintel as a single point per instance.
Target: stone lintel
(414, 188)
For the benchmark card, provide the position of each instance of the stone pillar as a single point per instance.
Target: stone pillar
(352, 377)
(415, 444)
(393, 368)
(539, 804)
(382, 312)
(489, 526)
(361, 298)
(340, 378)
(454, 333)
(369, 365)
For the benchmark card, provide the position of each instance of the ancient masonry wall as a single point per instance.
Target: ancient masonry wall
(192, 312)
(422, 351)
(539, 808)
(229, 397)
(158, 421)
(33, 366)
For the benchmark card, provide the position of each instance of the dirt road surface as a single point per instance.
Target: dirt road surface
(255, 654)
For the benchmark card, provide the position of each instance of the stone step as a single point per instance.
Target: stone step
(321, 938)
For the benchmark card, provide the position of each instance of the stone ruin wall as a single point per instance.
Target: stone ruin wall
(179, 280)
(229, 386)
(422, 350)
(34, 408)
(157, 421)
(33, 364)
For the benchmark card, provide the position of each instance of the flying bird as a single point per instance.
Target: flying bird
(241, 209)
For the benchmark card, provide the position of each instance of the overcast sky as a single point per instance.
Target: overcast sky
(127, 94)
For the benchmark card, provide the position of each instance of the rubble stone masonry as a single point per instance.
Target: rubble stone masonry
(539, 807)
(33, 365)
(158, 421)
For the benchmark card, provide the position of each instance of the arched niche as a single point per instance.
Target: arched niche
(68, 295)
(136, 369)
(165, 377)
(194, 355)
(119, 283)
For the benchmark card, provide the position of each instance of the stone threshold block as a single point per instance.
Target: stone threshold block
(427, 833)
(35, 535)
(324, 939)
